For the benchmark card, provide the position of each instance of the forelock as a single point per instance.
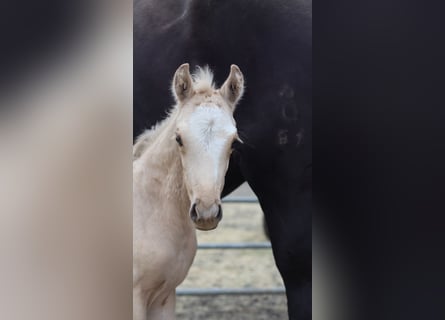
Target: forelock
(203, 80)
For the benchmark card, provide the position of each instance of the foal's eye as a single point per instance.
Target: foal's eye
(178, 140)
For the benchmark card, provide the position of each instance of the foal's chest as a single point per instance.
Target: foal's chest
(166, 256)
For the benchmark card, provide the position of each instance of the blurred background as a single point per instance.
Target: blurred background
(65, 159)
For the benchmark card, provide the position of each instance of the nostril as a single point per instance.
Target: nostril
(193, 212)
(219, 215)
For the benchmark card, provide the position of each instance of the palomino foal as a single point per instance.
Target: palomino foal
(178, 175)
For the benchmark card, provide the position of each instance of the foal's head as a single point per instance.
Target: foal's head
(205, 132)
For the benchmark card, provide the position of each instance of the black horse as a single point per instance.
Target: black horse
(271, 41)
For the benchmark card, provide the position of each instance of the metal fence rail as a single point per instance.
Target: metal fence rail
(228, 291)
(236, 246)
(240, 200)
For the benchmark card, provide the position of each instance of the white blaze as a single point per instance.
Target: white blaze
(211, 127)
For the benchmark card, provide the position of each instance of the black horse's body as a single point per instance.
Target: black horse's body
(271, 42)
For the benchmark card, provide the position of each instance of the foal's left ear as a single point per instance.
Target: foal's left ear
(182, 83)
(233, 88)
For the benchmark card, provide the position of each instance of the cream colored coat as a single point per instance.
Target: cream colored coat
(180, 162)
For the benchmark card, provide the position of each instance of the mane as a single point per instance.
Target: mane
(149, 136)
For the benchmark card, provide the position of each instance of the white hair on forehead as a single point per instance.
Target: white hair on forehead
(211, 127)
(207, 122)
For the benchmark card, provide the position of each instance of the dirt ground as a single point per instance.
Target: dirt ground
(247, 268)
(259, 307)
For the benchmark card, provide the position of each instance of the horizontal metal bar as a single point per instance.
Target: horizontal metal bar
(240, 200)
(235, 245)
(227, 291)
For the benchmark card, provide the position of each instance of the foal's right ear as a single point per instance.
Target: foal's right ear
(182, 83)
(233, 87)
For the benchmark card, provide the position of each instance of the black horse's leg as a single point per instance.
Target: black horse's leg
(290, 232)
(289, 222)
(299, 300)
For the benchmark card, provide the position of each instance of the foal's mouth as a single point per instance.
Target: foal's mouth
(206, 229)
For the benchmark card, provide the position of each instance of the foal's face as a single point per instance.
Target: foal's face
(205, 138)
(205, 134)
